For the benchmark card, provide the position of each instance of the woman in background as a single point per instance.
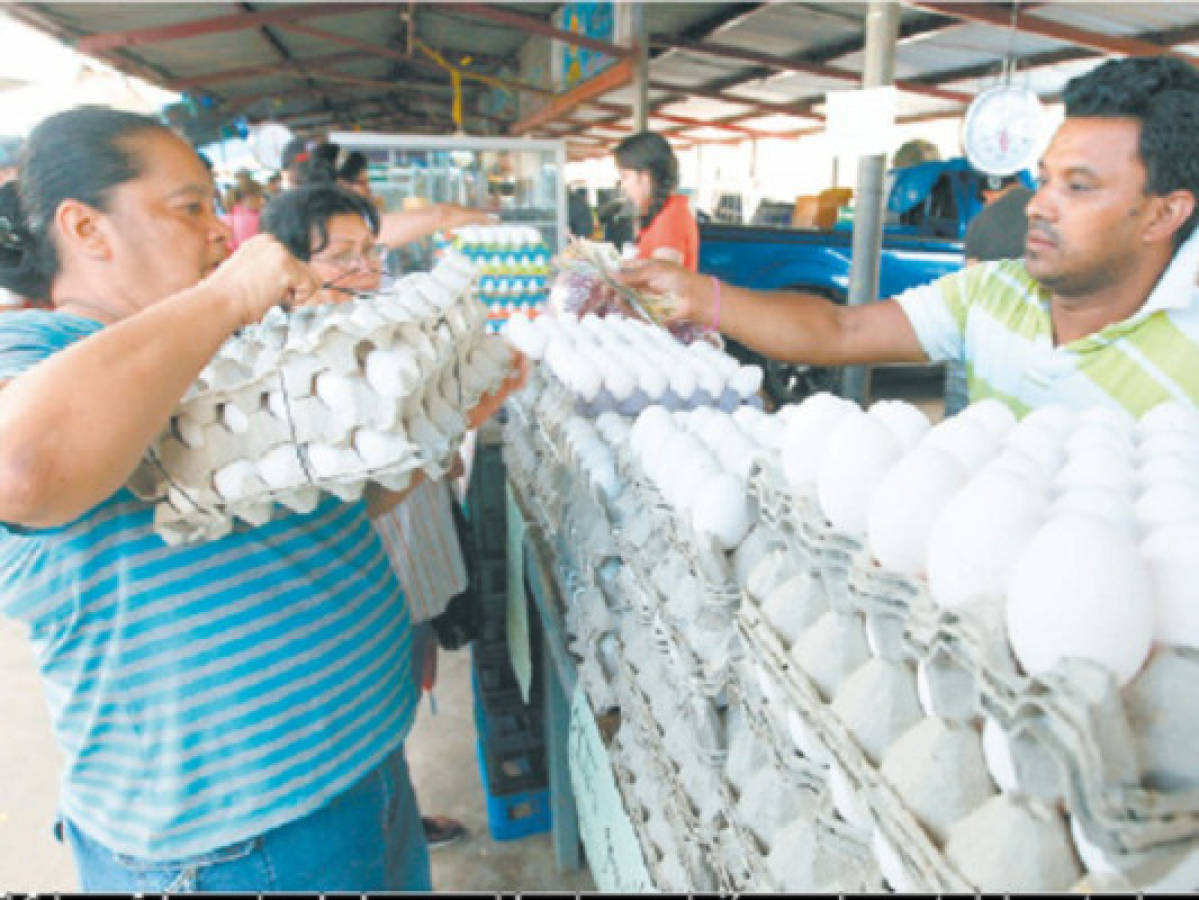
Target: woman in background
(649, 175)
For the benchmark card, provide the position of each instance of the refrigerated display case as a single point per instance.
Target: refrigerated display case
(519, 179)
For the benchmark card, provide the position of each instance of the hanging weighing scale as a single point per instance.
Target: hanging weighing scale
(1005, 124)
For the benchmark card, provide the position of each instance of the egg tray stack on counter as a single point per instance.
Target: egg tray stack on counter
(324, 400)
(614, 364)
(653, 616)
(513, 263)
(985, 633)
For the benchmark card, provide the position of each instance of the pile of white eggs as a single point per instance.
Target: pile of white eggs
(324, 399)
(699, 461)
(614, 364)
(1075, 528)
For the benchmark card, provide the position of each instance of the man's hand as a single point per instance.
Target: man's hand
(690, 293)
(261, 274)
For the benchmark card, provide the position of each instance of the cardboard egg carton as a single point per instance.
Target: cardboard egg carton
(1064, 737)
(324, 400)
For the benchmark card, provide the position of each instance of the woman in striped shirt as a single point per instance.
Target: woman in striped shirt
(232, 714)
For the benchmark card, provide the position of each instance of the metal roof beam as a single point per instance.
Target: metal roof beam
(1185, 34)
(799, 109)
(613, 77)
(1058, 31)
(190, 82)
(387, 52)
(803, 67)
(533, 25)
(112, 40)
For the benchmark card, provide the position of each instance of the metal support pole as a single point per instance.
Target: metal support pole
(639, 34)
(882, 30)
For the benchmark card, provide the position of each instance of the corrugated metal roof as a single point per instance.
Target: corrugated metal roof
(716, 58)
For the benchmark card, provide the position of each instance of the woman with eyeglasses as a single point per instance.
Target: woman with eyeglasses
(337, 231)
(232, 714)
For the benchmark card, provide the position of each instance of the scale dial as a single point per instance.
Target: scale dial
(1003, 130)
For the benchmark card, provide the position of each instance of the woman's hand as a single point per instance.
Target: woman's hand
(260, 274)
(454, 216)
(489, 403)
(690, 293)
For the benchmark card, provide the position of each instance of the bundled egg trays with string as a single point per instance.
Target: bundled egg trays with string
(324, 400)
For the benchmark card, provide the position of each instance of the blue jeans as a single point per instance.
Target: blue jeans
(368, 838)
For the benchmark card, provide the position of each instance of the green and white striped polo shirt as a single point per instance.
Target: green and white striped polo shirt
(995, 317)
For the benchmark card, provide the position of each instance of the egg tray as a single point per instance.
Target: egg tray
(602, 342)
(323, 400)
(710, 564)
(1063, 727)
(1068, 723)
(698, 823)
(674, 805)
(881, 810)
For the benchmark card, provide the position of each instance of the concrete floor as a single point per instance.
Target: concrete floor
(441, 754)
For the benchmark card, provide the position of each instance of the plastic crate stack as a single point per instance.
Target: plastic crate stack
(514, 265)
(511, 738)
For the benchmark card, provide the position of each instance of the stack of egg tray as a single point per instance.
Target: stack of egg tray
(324, 399)
(676, 808)
(834, 857)
(1068, 738)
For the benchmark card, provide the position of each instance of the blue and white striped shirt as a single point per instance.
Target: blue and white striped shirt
(205, 694)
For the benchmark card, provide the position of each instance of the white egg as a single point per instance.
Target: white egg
(1169, 553)
(907, 422)
(978, 536)
(859, 451)
(693, 475)
(521, 334)
(996, 416)
(1039, 443)
(805, 435)
(1114, 417)
(1165, 502)
(1019, 463)
(236, 480)
(721, 510)
(1169, 416)
(1096, 466)
(905, 505)
(1092, 435)
(746, 381)
(965, 440)
(1080, 589)
(1167, 467)
(1169, 443)
(1112, 505)
(1058, 419)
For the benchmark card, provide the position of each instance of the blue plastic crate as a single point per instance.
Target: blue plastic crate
(514, 816)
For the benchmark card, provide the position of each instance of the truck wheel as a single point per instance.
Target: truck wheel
(786, 383)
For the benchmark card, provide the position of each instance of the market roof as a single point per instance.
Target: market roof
(718, 71)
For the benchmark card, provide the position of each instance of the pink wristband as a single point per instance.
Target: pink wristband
(716, 306)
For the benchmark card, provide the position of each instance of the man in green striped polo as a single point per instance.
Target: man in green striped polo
(1102, 308)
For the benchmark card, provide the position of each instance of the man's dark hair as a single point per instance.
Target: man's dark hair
(80, 154)
(292, 216)
(1162, 94)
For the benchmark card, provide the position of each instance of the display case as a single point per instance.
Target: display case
(521, 180)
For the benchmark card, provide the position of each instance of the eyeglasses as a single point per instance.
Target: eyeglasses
(373, 260)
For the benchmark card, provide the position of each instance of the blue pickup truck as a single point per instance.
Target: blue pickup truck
(928, 207)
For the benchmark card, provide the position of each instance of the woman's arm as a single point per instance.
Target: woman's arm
(75, 426)
(399, 228)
